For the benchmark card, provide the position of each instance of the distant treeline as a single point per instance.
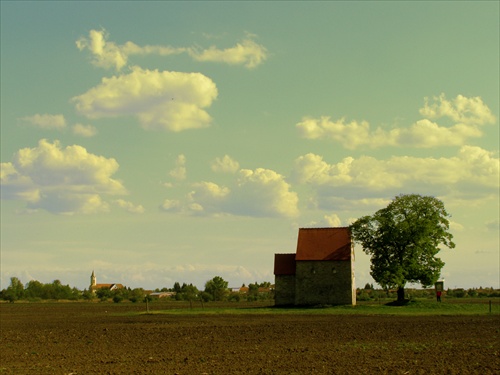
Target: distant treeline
(370, 293)
(216, 289)
(36, 290)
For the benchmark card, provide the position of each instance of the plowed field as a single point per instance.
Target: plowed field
(84, 338)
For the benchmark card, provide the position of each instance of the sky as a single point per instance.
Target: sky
(155, 142)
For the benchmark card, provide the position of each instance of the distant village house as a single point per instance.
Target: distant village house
(161, 294)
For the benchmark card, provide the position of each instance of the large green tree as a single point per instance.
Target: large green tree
(403, 240)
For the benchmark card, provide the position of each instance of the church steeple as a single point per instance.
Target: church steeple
(93, 280)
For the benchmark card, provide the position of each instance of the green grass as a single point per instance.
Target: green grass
(430, 307)
(413, 308)
(423, 306)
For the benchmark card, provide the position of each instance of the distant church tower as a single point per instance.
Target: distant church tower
(93, 280)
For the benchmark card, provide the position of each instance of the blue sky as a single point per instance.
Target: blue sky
(156, 142)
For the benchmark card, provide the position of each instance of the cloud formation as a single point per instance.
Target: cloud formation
(259, 193)
(60, 180)
(263, 192)
(226, 164)
(473, 172)
(173, 101)
(467, 114)
(46, 121)
(129, 206)
(179, 172)
(332, 220)
(247, 53)
(463, 110)
(171, 205)
(107, 54)
(86, 131)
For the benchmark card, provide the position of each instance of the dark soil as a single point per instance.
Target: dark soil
(84, 338)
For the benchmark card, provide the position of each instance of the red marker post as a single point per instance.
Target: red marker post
(439, 286)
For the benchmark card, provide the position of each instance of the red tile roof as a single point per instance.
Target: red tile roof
(107, 286)
(99, 286)
(284, 264)
(324, 244)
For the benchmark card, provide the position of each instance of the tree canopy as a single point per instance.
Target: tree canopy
(217, 288)
(403, 240)
(14, 291)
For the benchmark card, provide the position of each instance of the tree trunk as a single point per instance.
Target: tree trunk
(401, 294)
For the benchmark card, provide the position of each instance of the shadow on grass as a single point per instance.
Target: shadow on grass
(405, 302)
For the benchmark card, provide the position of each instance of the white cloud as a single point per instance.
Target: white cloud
(209, 190)
(46, 121)
(261, 193)
(15, 186)
(469, 111)
(179, 172)
(247, 53)
(130, 48)
(225, 164)
(351, 135)
(312, 169)
(60, 180)
(332, 220)
(472, 173)
(171, 205)
(84, 130)
(423, 133)
(208, 198)
(159, 99)
(129, 206)
(468, 114)
(107, 54)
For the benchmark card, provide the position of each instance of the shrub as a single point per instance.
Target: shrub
(206, 297)
(363, 296)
